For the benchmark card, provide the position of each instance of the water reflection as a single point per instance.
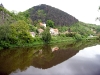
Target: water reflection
(79, 64)
(48, 58)
(43, 60)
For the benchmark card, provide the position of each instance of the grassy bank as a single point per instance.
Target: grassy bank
(38, 41)
(55, 39)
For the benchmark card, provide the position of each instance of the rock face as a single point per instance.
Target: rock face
(1, 5)
(1, 14)
(46, 12)
(5, 16)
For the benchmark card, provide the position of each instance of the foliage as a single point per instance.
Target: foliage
(36, 23)
(63, 28)
(15, 34)
(70, 34)
(98, 29)
(50, 23)
(24, 16)
(62, 35)
(46, 36)
(4, 36)
(41, 13)
(20, 30)
(78, 37)
(15, 28)
(1, 9)
(32, 28)
(81, 29)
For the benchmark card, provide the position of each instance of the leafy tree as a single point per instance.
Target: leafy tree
(4, 36)
(24, 16)
(32, 28)
(62, 28)
(98, 29)
(46, 36)
(78, 37)
(81, 29)
(20, 30)
(50, 23)
(41, 14)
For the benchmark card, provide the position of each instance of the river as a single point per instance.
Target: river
(81, 58)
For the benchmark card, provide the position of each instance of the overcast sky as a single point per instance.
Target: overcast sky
(84, 10)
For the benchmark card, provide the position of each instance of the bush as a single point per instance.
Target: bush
(4, 44)
(70, 34)
(78, 36)
(62, 35)
(46, 36)
(50, 23)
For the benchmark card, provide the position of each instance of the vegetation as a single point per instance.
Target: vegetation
(15, 28)
(15, 34)
(50, 13)
(46, 36)
(78, 37)
(6, 17)
(4, 36)
(50, 23)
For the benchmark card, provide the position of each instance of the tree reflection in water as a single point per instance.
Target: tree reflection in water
(40, 57)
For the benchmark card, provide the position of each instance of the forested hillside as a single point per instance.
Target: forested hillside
(46, 12)
(24, 28)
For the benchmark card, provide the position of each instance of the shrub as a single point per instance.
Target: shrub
(70, 34)
(50, 23)
(46, 36)
(78, 36)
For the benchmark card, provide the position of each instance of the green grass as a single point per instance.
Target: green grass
(55, 39)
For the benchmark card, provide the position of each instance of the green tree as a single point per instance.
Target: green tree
(78, 37)
(98, 29)
(50, 23)
(24, 16)
(46, 36)
(4, 36)
(41, 14)
(20, 31)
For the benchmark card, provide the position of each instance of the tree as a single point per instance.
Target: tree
(50, 23)
(78, 37)
(41, 14)
(4, 36)
(46, 36)
(98, 29)
(20, 31)
(24, 16)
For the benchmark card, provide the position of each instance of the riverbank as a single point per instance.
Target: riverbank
(38, 41)
(54, 40)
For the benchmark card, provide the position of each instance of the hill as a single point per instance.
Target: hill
(15, 28)
(45, 12)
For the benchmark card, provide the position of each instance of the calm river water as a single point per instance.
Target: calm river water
(81, 58)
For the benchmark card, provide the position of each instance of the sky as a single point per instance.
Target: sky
(84, 10)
